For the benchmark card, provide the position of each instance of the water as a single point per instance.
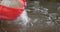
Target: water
(44, 17)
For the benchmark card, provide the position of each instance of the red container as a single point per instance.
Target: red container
(8, 13)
